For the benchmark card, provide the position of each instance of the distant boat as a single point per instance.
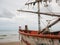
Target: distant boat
(42, 36)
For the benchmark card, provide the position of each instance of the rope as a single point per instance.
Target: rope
(43, 23)
(50, 10)
(28, 1)
(24, 5)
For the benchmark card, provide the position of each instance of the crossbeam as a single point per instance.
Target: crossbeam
(49, 14)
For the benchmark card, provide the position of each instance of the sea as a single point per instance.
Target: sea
(9, 36)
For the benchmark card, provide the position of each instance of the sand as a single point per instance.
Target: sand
(11, 43)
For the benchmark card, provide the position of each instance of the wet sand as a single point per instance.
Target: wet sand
(11, 43)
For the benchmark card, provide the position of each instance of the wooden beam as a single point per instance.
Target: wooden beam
(49, 14)
(30, 3)
(39, 1)
(54, 22)
(51, 24)
(33, 2)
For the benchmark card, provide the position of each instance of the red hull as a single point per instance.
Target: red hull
(41, 35)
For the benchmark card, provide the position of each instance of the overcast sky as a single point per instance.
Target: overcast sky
(10, 19)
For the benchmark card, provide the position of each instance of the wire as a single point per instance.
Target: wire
(24, 5)
(28, 1)
(42, 22)
(50, 10)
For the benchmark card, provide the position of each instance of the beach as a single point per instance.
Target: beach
(9, 38)
(10, 43)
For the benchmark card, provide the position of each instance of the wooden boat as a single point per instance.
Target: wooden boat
(44, 37)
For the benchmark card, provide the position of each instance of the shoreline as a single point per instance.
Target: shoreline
(9, 38)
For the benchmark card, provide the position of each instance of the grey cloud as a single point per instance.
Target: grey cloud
(6, 14)
(11, 5)
(8, 25)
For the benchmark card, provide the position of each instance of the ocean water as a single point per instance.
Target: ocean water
(9, 35)
(8, 32)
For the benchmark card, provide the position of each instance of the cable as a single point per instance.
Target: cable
(50, 10)
(28, 1)
(43, 23)
(24, 5)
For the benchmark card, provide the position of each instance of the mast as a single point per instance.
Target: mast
(39, 28)
(38, 12)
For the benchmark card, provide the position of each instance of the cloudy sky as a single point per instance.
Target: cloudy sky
(10, 19)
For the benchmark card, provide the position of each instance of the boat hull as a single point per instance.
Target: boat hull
(38, 39)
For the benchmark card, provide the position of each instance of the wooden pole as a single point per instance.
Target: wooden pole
(51, 24)
(48, 14)
(26, 28)
(39, 28)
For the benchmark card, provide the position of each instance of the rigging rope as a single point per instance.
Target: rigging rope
(50, 12)
(47, 9)
(28, 1)
(43, 23)
(25, 5)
